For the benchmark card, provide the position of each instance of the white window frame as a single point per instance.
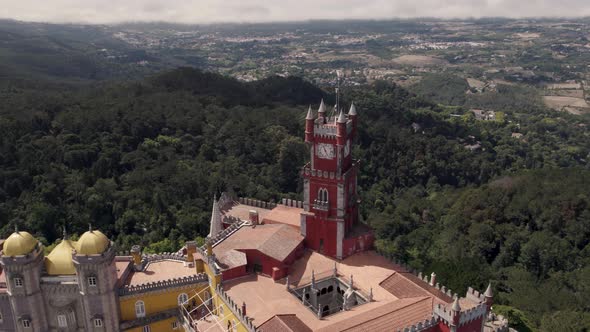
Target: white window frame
(147, 328)
(26, 323)
(323, 195)
(18, 282)
(92, 281)
(141, 306)
(182, 298)
(98, 322)
(62, 320)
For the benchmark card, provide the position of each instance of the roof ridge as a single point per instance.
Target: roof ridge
(412, 300)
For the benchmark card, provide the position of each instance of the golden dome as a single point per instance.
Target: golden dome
(92, 243)
(59, 261)
(19, 243)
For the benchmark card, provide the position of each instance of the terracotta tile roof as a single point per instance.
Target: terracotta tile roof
(232, 258)
(276, 241)
(283, 214)
(403, 284)
(284, 323)
(160, 271)
(123, 267)
(390, 317)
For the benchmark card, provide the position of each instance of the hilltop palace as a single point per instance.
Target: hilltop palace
(295, 266)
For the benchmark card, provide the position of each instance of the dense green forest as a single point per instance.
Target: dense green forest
(142, 160)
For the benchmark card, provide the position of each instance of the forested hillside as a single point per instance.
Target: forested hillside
(142, 160)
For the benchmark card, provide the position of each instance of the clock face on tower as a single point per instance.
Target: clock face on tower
(325, 151)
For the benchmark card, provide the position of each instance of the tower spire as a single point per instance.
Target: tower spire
(352, 110)
(216, 225)
(341, 117)
(65, 233)
(309, 114)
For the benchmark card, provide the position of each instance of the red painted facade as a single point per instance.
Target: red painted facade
(330, 187)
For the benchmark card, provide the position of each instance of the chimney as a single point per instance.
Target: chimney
(191, 248)
(209, 249)
(136, 254)
(433, 279)
(253, 216)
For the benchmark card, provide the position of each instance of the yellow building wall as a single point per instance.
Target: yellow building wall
(164, 325)
(156, 302)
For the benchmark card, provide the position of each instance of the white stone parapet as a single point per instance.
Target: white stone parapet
(158, 285)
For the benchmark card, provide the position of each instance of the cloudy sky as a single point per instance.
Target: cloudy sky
(207, 11)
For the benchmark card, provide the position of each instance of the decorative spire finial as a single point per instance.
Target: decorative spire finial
(90, 227)
(341, 117)
(489, 292)
(352, 110)
(322, 108)
(15, 227)
(65, 233)
(309, 114)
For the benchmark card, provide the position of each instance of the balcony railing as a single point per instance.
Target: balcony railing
(321, 205)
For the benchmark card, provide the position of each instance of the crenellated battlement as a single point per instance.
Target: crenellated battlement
(472, 314)
(159, 285)
(474, 295)
(420, 326)
(308, 171)
(257, 203)
(237, 311)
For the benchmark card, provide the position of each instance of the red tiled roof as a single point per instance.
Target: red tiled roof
(284, 323)
(406, 285)
(389, 317)
(275, 241)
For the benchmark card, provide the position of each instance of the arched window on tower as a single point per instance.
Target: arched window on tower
(182, 298)
(323, 195)
(139, 309)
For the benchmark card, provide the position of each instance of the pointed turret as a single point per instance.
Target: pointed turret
(489, 297)
(341, 134)
(489, 292)
(309, 114)
(353, 116)
(216, 224)
(342, 117)
(322, 112)
(352, 110)
(322, 108)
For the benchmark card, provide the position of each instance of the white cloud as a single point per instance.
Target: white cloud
(207, 11)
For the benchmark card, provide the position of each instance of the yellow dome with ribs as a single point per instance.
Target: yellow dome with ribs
(59, 261)
(19, 244)
(92, 242)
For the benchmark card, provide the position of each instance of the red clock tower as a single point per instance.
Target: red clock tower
(330, 218)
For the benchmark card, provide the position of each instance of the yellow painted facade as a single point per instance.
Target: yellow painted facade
(165, 325)
(227, 316)
(155, 302)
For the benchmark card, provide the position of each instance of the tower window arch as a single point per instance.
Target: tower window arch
(182, 298)
(139, 309)
(323, 195)
(92, 281)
